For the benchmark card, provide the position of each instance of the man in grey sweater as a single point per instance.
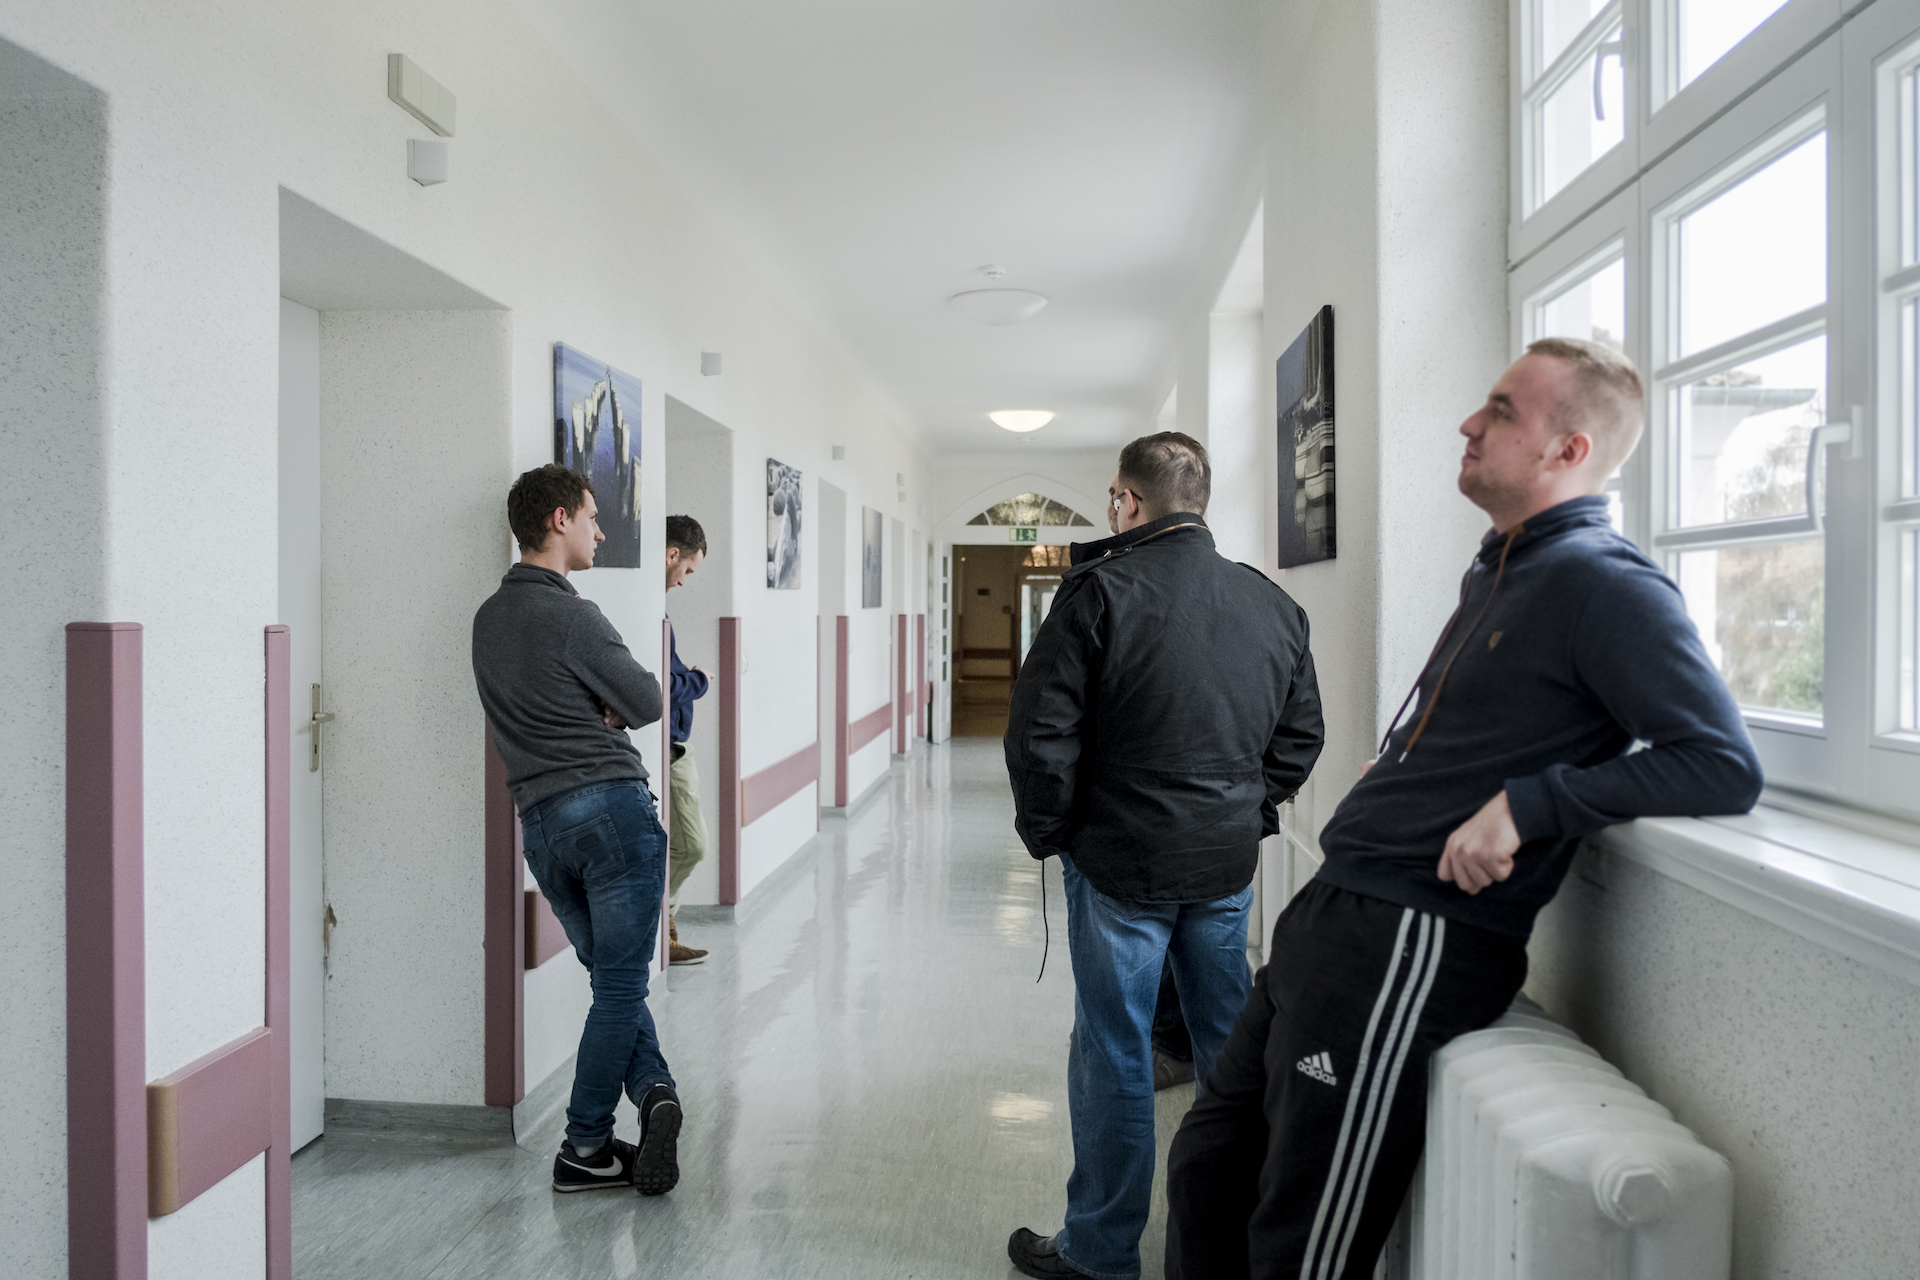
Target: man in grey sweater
(560, 689)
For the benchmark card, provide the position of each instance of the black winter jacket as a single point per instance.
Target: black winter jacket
(1167, 708)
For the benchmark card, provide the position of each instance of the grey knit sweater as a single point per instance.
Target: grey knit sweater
(541, 657)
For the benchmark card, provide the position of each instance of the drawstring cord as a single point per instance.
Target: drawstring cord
(1441, 683)
(1046, 929)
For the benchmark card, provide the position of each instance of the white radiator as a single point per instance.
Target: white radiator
(1544, 1163)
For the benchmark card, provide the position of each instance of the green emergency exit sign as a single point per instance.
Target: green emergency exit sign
(1025, 533)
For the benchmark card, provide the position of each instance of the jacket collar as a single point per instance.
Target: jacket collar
(532, 575)
(1082, 552)
(1576, 513)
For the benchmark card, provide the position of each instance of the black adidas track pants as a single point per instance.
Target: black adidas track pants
(1294, 1162)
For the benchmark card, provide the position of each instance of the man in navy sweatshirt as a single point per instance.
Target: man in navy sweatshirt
(1568, 647)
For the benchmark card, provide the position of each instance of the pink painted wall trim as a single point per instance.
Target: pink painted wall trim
(278, 751)
(663, 786)
(209, 1118)
(902, 699)
(106, 956)
(870, 726)
(545, 936)
(841, 746)
(767, 789)
(504, 942)
(731, 818)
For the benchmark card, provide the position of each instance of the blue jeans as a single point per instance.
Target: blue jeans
(599, 855)
(1118, 947)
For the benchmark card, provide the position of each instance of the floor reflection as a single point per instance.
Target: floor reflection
(875, 1084)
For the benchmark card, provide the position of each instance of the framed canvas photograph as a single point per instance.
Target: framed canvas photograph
(783, 526)
(870, 526)
(596, 431)
(1303, 386)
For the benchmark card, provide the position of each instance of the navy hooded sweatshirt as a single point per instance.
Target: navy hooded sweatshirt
(1568, 647)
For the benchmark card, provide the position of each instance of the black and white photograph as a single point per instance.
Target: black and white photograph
(1303, 387)
(870, 526)
(783, 526)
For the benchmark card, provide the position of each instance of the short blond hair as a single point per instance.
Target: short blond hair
(1607, 400)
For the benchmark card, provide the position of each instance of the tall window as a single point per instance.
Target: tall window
(1740, 387)
(1751, 237)
(1576, 104)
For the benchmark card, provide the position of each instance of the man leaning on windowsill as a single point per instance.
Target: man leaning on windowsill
(1567, 647)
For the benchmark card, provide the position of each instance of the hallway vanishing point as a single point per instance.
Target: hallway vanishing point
(875, 1085)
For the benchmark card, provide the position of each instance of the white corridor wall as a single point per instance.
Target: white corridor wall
(195, 121)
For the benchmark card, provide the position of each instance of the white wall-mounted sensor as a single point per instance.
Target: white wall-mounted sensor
(426, 161)
(710, 364)
(839, 453)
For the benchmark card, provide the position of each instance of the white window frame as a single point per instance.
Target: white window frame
(1875, 47)
(1827, 55)
(1790, 107)
(1674, 114)
(1533, 227)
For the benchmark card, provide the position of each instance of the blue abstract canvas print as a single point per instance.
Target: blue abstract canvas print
(596, 431)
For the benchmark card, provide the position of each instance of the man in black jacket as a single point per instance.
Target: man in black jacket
(1567, 648)
(1166, 710)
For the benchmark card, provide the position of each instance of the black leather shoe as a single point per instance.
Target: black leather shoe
(656, 1165)
(1033, 1255)
(1169, 1071)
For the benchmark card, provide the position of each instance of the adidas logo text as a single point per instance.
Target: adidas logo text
(1319, 1066)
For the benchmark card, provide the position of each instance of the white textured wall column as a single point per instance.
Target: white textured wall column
(53, 440)
(1239, 431)
(1386, 197)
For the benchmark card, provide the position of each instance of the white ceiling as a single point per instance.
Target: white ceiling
(875, 153)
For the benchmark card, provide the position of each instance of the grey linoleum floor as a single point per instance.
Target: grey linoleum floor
(874, 1084)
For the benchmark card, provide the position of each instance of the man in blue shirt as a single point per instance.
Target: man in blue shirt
(1568, 647)
(686, 830)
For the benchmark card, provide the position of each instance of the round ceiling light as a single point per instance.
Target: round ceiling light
(1021, 419)
(998, 306)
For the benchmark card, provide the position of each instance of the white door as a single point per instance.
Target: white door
(300, 610)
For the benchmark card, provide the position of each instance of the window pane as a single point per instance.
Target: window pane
(1910, 398)
(1594, 310)
(1909, 131)
(1743, 436)
(1756, 252)
(1560, 22)
(1709, 28)
(1760, 611)
(1572, 134)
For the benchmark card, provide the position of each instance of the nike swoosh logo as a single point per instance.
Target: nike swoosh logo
(603, 1171)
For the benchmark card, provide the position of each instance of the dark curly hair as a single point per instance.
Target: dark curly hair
(537, 495)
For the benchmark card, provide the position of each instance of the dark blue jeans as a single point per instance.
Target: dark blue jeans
(1118, 948)
(599, 855)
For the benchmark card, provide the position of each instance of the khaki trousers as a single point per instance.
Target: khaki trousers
(686, 829)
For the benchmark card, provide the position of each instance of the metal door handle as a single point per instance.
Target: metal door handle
(315, 719)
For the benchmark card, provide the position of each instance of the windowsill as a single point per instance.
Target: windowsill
(1845, 880)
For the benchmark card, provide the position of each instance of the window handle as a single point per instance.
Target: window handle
(1614, 48)
(1848, 433)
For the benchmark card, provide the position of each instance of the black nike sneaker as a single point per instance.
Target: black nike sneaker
(656, 1167)
(609, 1166)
